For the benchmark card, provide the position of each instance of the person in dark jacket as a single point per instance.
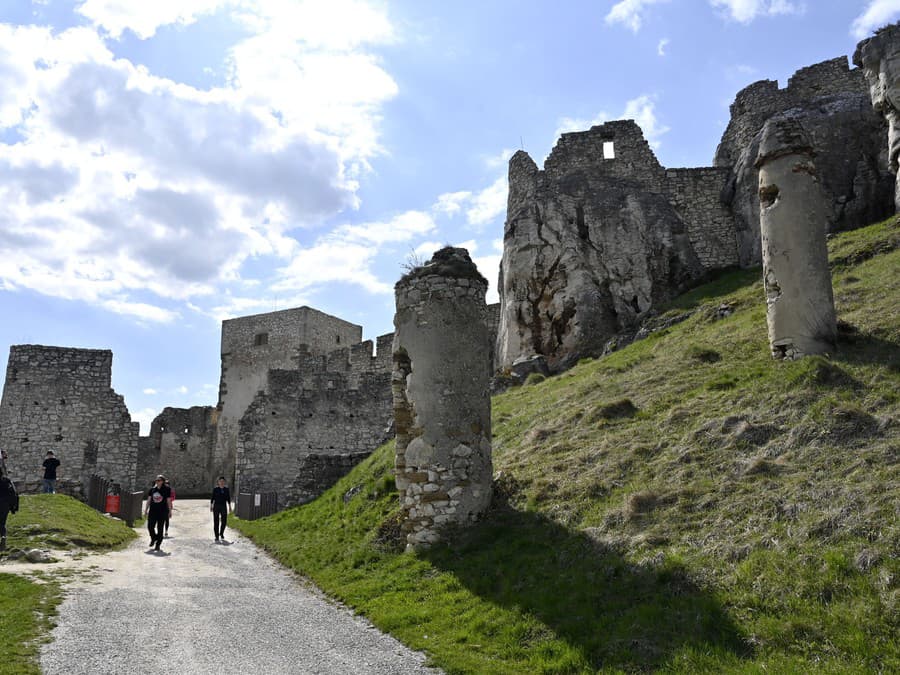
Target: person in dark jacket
(9, 503)
(159, 507)
(220, 505)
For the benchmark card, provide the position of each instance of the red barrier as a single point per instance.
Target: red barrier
(112, 503)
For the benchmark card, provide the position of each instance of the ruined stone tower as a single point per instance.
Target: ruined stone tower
(61, 399)
(442, 406)
(793, 222)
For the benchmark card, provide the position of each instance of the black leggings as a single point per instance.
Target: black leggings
(156, 522)
(220, 515)
(4, 512)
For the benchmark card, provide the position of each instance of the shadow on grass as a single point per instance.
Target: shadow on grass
(620, 615)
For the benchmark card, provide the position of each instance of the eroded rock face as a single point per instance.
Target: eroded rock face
(879, 58)
(847, 138)
(793, 221)
(590, 244)
(441, 397)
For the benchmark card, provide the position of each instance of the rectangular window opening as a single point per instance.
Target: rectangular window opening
(609, 151)
(260, 339)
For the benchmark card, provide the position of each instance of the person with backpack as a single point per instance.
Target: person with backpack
(9, 503)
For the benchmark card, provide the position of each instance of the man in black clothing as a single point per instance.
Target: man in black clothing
(159, 507)
(51, 464)
(220, 505)
(9, 503)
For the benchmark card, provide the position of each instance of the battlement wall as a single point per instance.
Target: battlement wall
(60, 399)
(614, 150)
(757, 102)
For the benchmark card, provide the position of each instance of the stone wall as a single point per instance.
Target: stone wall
(697, 195)
(254, 345)
(756, 103)
(181, 445)
(61, 399)
(309, 425)
(441, 396)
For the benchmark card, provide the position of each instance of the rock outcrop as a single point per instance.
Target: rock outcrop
(591, 243)
(847, 138)
(879, 58)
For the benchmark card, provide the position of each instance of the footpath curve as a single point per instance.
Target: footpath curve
(201, 607)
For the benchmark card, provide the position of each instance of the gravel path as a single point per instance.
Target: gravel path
(201, 607)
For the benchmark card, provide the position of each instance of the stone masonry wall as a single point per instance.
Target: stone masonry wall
(756, 103)
(253, 345)
(309, 425)
(697, 197)
(181, 445)
(61, 399)
(441, 397)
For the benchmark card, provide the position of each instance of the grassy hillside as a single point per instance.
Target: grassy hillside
(686, 504)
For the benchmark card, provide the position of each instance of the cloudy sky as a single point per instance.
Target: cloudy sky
(168, 164)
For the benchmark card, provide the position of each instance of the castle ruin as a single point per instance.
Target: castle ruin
(604, 234)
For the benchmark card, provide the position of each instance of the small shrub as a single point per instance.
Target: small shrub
(703, 355)
(615, 410)
(535, 378)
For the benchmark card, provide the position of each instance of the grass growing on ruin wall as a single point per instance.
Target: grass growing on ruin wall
(684, 504)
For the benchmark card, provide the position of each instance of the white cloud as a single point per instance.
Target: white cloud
(501, 159)
(745, 11)
(347, 254)
(182, 390)
(150, 391)
(144, 417)
(129, 191)
(488, 203)
(451, 202)
(641, 110)
(661, 47)
(143, 18)
(877, 14)
(630, 13)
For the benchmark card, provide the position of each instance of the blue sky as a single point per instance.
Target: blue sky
(168, 164)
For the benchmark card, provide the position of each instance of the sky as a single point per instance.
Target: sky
(166, 165)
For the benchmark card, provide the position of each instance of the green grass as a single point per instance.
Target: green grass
(27, 607)
(686, 504)
(26, 611)
(61, 522)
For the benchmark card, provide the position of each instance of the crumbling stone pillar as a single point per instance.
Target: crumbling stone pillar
(879, 57)
(793, 221)
(441, 392)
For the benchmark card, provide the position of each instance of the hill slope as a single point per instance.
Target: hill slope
(684, 504)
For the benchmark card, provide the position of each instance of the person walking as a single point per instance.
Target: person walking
(9, 503)
(169, 513)
(51, 464)
(220, 505)
(158, 508)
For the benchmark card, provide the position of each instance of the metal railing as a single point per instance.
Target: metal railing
(107, 497)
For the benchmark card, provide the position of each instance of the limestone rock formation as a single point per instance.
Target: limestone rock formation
(793, 217)
(879, 58)
(846, 136)
(590, 244)
(441, 395)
